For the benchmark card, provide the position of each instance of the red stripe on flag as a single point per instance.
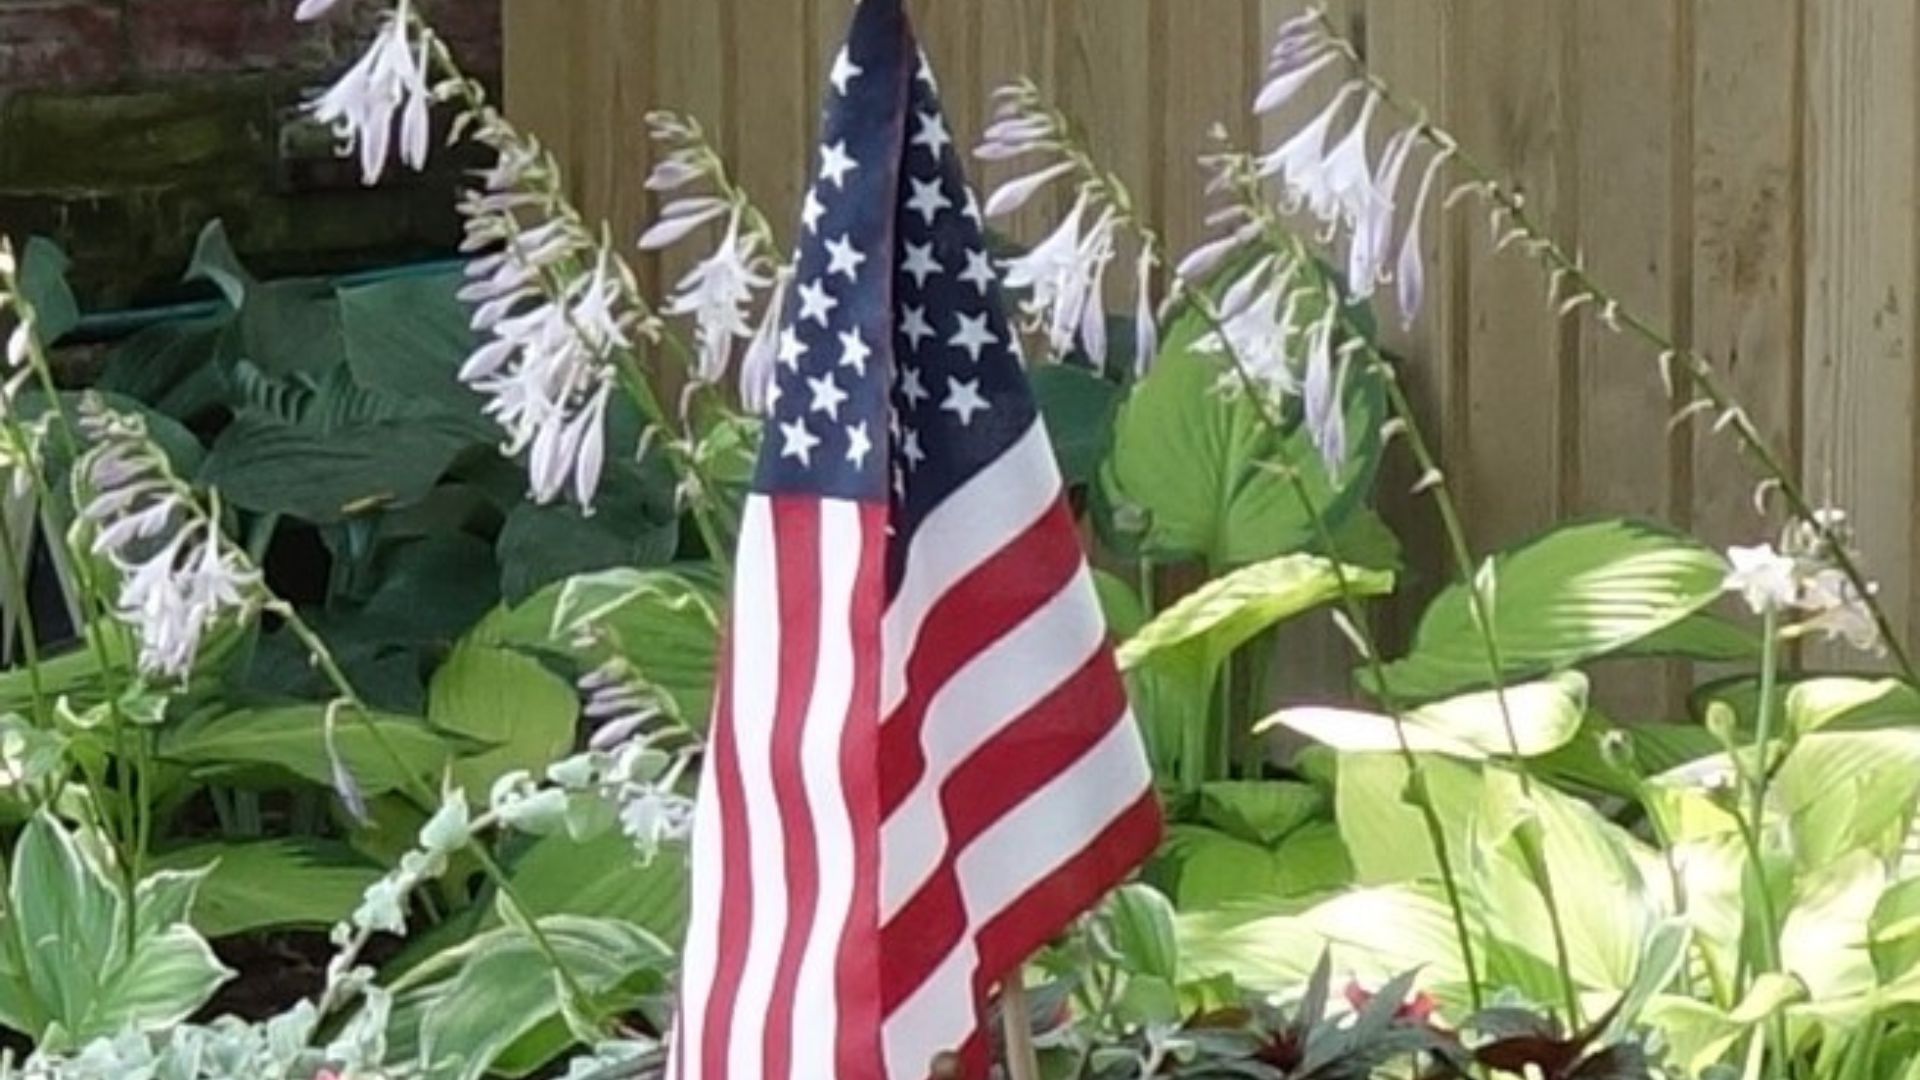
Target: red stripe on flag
(981, 608)
(1008, 769)
(856, 968)
(1019, 930)
(796, 541)
(736, 883)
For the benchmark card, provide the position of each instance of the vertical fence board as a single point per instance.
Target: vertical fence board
(772, 131)
(1860, 284)
(1510, 114)
(1206, 82)
(1407, 44)
(1746, 237)
(1623, 139)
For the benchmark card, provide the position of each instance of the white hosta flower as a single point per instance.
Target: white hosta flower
(1017, 192)
(716, 294)
(1837, 610)
(389, 80)
(1300, 162)
(1410, 270)
(1146, 329)
(309, 10)
(546, 366)
(1064, 280)
(1764, 578)
(758, 374)
(179, 576)
(652, 815)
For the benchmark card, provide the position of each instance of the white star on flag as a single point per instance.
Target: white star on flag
(854, 351)
(859, 444)
(928, 199)
(812, 211)
(799, 442)
(912, 389)
(816, 304)
(921, 264)
(792, 349)
(835, 164)
(844, 258)
(979, 271)
(963, 400)
(974, 336)
(827, 396)
(933, 134)
(914, 325)
(845, 71)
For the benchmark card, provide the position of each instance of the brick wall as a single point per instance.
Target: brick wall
(126, 124)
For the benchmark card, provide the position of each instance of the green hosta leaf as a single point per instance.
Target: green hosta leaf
(507, 699)
(1544, 716)
(1700, 636)
(1141, 920)
(1610, 888)
(1207, 625)
(1576, 594)
(1197, 464)
(1121, 606)
(1848, 704)
(91, 968)
(663, 622)
(272, 884)
(1208, 868)
(1826, 937)
(1848, 791)
(1374, 935)
(1261, 812)
(43, 283)
(1385, 834)
(493, 1002)
(292, 738)
(604, 878)
(67, 916)
(408, 337)
(270, 466)
(1079, 408)
(168, 978)
(215, 262)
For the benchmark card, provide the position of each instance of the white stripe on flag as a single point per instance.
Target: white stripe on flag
(1016, 853)
(756, 682)
(700, 953)
(995, 688)
(977, 520)
(815, 998)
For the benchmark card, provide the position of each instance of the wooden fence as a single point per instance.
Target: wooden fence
(1742, 171)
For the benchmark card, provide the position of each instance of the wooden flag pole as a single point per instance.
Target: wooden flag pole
(1022, 1062)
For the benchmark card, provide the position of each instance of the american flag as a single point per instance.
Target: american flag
(922, 764)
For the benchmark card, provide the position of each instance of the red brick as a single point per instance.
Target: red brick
(59, 43)
(191, 37)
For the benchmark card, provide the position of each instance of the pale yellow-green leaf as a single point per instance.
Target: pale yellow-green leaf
(1207, 625)
(1544, 717)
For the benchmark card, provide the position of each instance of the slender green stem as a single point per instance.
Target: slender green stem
(1758, 774)
(19, 599)
(1356, 616)
(420, 795)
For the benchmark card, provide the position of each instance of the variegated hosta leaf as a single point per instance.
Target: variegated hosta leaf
(75, 969)
(1545, 716)
(1576, 594)
(1206, 626)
